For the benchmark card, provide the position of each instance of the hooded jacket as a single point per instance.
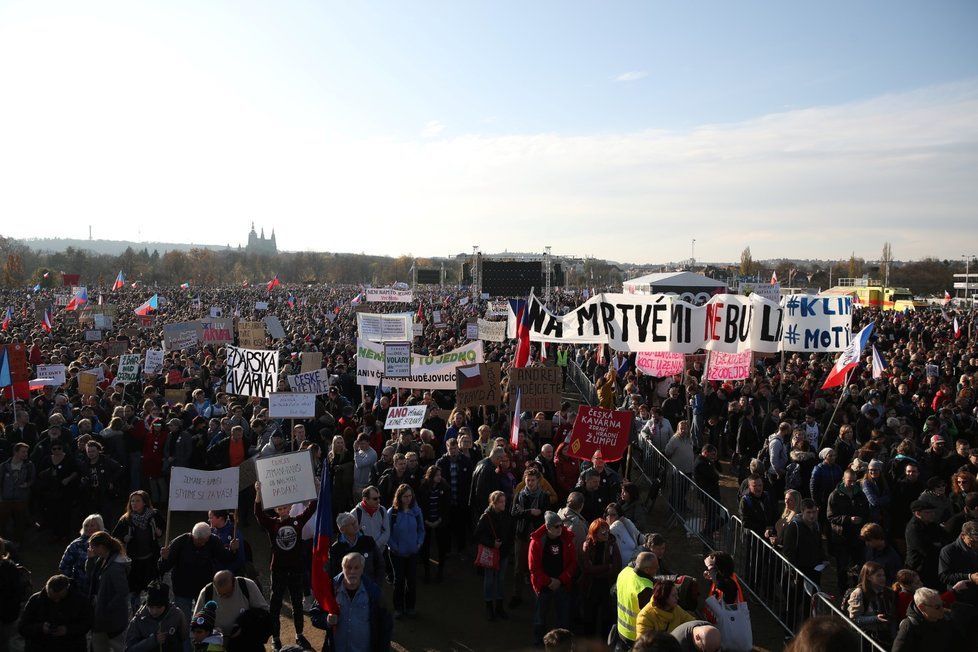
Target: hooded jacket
(407, 531)
(73, 612)
(141, 634)
(538, 577)
(111, 595)
(843, 504)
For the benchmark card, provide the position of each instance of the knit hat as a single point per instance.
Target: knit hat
(822, 454)
(157, 595)
(876, 464)
(205, 618)
(552, 519)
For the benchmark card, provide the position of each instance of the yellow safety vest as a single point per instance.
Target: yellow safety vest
(562, 357)
(629, 585)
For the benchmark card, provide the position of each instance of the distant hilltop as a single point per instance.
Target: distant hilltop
(112, 247)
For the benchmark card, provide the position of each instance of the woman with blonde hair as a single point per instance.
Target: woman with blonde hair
(73, 562)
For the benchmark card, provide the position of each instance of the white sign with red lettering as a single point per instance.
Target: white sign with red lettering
(728, 366)
(405, 416)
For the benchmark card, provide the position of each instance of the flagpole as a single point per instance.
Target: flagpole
(845, 388)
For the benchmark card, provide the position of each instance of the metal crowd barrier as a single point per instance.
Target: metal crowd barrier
(582, 383)
(776, 585)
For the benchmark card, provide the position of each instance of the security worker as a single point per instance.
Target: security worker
(634, 590)
(563, 356)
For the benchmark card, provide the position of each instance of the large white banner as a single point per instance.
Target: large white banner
(389, 295)
(385, 328)
(492, 331)
(817, 324)
(251, 372)
(286, 479)
(199, 491)
(427, 372)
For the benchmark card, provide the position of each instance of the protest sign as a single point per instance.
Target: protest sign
(405, 416)
(128, 368)
(199, 491)
(87, 383)
(62, 300)
(464, 301)
(93, 336)
(389, 295)
(310, 382)
(216, 331)
(385, 328)
(472, 330)
(115, 348)
(55, 372)
(179, 336)
(146, 321)
(251, 334)
(274, 327)
(728, 366)
(436, 318)
(770, 291)
(427, 372)
(540, 387)
(597, 429)
(311, 360)
(817, 324)
(417, 330)
(659, 363)
(397, 359)
(102, 322)
(261, 305)
(286, 479)
(492, 331)
(154, 361)
(174, 396)
(498, 309)
(217, 311)
(289, 405)
(251, 372)
(478, 384)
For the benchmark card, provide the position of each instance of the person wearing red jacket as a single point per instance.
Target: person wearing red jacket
(154, 443)
(553, 563)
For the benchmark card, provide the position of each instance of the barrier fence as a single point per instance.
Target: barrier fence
(582, 383)
(779, 587)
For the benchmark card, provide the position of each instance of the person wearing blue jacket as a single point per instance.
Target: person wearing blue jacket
(407, 535)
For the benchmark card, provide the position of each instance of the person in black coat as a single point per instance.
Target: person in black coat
(926, 626)
(456, 470)
(959, 560)
(925, 538)
(848, 510)
(495, 530)
(803, 542)
(756, 509)
(706, 472)
(56, 619)
(351, 539)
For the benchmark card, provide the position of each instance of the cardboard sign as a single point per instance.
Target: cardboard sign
(87, 383)
(389, 295)
(115, 348)
(179, 336)
(311, 382)
(274, 327)
(154, 361)
(397, 360)
(199, 491)
(286, 479)
(261, 305)
(311, 360)
(436, 318)
(478, 384)
(599, 429)
(93, 336)
(659, 364)
(215, 331)
(472, 330)
(405, 416)
(251, 334)
(146, 321)
(251, 372)
(217, 311)
(385, 328)
(771, 292)
(498, 309)
(541, 387)
(492, 331)
(128, 368)
(102, 322)
(728, 366)
(55, 372)
(427, 372)
(289, 405)
(174, 396)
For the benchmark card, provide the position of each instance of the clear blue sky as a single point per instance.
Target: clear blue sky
(426, 127)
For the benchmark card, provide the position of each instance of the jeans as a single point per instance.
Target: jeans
(282, 581)
(492, 581)
(405, 581)
(560, 600)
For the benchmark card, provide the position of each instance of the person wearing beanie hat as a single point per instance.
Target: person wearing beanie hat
(553, 564)
(158, 625)
(203, 637)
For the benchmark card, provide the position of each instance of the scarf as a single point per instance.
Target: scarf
(141, 521)
(367, 508)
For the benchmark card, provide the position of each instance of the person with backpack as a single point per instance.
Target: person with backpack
(233, 595)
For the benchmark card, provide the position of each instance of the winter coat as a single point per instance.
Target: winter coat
(879, 497)
(843, 504)
(653, 618)
(599, 570)
(74, 612)
(538, 578)
(924, 543)
(680, 452)
(525, 521)
(73, 564)
(193, 567)
(493, 525)
(407, 531)
(825, 478)
(141, 634)
(956, 562)
(802, 545)
(917, 634)
(111, 595)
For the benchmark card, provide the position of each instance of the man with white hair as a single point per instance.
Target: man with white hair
(926, 626)
(351, 539)
(194, 557)
(361, 623)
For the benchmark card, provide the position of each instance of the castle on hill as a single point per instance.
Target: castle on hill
(258, 244)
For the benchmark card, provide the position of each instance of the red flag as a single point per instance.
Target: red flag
(273, 283)
(774, 277)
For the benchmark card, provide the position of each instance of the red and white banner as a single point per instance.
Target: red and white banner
(660, 363)
(597, 429)
(728, 366)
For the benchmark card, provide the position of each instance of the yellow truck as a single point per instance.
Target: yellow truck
(870, 292)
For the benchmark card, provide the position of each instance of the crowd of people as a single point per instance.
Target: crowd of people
(879, 481)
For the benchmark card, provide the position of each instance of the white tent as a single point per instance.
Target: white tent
(689, 286)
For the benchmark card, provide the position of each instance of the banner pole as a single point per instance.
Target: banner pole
(845, 388)
(166, 535)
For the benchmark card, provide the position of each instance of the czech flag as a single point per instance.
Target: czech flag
(290, 300)
(119, 282)
(185, 286)
(774, 277)
(947, 297)
(149, 307)
(849, 358)
(47, 320)
(7, 318)
(322, 583)
(878, 364)
(271, 285)
(355, 301)
(519, 308)
(514, 427)
(420, 311)
(957, 329)
(79, 300)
